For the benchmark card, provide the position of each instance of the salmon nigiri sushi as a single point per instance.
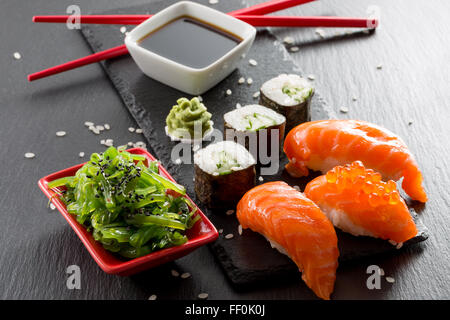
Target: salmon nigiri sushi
(358, 202)
(322, 145)
(296, 227)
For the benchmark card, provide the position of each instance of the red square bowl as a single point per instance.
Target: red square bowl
(201, 233)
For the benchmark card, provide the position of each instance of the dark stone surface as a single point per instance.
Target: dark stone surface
(409, 96)
(247, 259)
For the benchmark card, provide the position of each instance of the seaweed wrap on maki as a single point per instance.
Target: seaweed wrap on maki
(290, 95)
(255, 126)
(224, 172)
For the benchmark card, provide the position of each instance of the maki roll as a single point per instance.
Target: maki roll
(224, 172)
(245, 125)
(290, 95)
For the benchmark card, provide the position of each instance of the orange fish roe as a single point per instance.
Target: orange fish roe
(355, 176)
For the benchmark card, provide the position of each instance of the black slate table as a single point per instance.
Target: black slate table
(409, 95)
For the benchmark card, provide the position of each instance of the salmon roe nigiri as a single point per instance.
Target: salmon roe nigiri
(295, 226)
(321, 145)
(357, 201)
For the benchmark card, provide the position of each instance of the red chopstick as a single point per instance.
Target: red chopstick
(132, 19)
(254, 20)
(269, 7)
(96, 57)
(292, 21)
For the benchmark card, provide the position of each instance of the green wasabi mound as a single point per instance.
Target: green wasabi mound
(185, 116)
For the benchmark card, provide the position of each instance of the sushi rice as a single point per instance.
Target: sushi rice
(253, 118)
(223, 157)
(287, 89)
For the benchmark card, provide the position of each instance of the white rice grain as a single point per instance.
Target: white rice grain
(229, 212)
(29, 155)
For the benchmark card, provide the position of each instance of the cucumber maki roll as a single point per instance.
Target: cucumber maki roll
(224, 172)
(290, 95)
(247, 124)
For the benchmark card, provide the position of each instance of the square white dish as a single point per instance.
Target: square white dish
(184, 78)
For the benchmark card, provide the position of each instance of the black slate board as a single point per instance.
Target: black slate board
(248, 258)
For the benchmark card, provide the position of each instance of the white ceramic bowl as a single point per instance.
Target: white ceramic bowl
(190, 80)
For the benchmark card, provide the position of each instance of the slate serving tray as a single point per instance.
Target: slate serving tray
(248, 258)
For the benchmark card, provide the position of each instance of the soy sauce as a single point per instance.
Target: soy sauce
(191, 42)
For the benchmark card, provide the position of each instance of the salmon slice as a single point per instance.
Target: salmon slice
(322, 145)
(297, 227)
(358, 202)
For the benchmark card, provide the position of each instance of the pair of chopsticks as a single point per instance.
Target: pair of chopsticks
(253, 15)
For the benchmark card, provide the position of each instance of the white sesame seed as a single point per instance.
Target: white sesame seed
(229, 212)
(29, 155)
(249, 81)
(200, 98)
(393, 242)
(261, 179)
(343, 109)
(241, 80)
(256, 94)
(229, 236)
(238, 105)
(175, 273)
(139, 130)
(288, 40)
(320, 32)
(399, 245)
(220, 230)
(253, 62)
(103, 141)
(311, 77)
(60, 133)
(380, 66)
(91, 127)
(123, 29)
(204, 295)
(240, 230)
(185, 275)
(88, 124)
(131, 129)
(294, 49)
(81, 154)
(109, 142)
(178, 161)
(107, 126)
(17, 55)
(152, 297)
(100, 128)
(140, 144)
(52, 206)
(96, 131)
(229, 92)
(130, 144)
(390, 279)
(381, 271)
(296, 188)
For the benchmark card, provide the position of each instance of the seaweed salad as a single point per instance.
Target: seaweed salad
(129, 207)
